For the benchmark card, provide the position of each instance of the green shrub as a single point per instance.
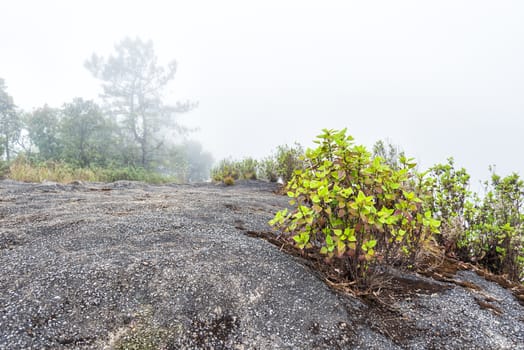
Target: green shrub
(225, 168)
(494, 236)
(288, 159)
(285, 161)
(486, 230)
(355, 209)
(248, 169)
(245, 169)
(267, 169)
(449, 194)
(228, 181)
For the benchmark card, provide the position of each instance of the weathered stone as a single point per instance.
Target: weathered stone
(134, 266)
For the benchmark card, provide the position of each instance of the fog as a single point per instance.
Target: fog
(438, 79)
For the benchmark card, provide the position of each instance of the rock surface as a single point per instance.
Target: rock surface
(133, 266)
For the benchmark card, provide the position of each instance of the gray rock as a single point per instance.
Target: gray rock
(135, 266)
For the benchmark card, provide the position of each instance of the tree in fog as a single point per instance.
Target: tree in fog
(133, 83)
(199, 162)
(85, 134)
(188, 162)
(43, 126)
(10, 124)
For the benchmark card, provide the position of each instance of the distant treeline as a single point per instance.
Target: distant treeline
(132, 134)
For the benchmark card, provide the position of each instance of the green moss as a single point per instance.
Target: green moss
(145, 334)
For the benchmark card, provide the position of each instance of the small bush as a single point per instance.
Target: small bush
(288, 159)
(494, 236)
(228, 181)
(354, 209)
(488, 230)
(449, 193)
(285, 161)
(245, 169)
(248, 169)
(267, 169)
(225, 168)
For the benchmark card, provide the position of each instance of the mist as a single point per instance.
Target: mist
(437, 79)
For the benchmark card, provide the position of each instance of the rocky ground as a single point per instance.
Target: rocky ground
(134, 266)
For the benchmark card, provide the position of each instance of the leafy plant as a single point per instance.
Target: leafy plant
(281, 164)
(486, 230)
(248, 169)
(267, 169)
(495, 234)
(353, 208)
(288, 159)
(449, 192)
(245, 169)
(228, 181)
(225, 168)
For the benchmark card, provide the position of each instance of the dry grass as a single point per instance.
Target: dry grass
(25, 171)
(50, 171)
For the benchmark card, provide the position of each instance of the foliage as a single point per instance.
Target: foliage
(22, 169)
(131, 173)
(225, 168)
(84, 134)
(188, 162)
(281, 164)
(43, 125)
(4, 169)
(267, 169)
(228, 181)
(10, 123)
(448, 198)
(495, 232)
(354, 208)
(288, 159)
(133, 84)
(248, 169)
(245, 169)
(127, 139)
(199, 162)
(486, 230)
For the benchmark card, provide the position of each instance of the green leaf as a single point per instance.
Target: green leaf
(329, 241)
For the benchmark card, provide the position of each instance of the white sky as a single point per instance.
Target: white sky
(439, 78)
